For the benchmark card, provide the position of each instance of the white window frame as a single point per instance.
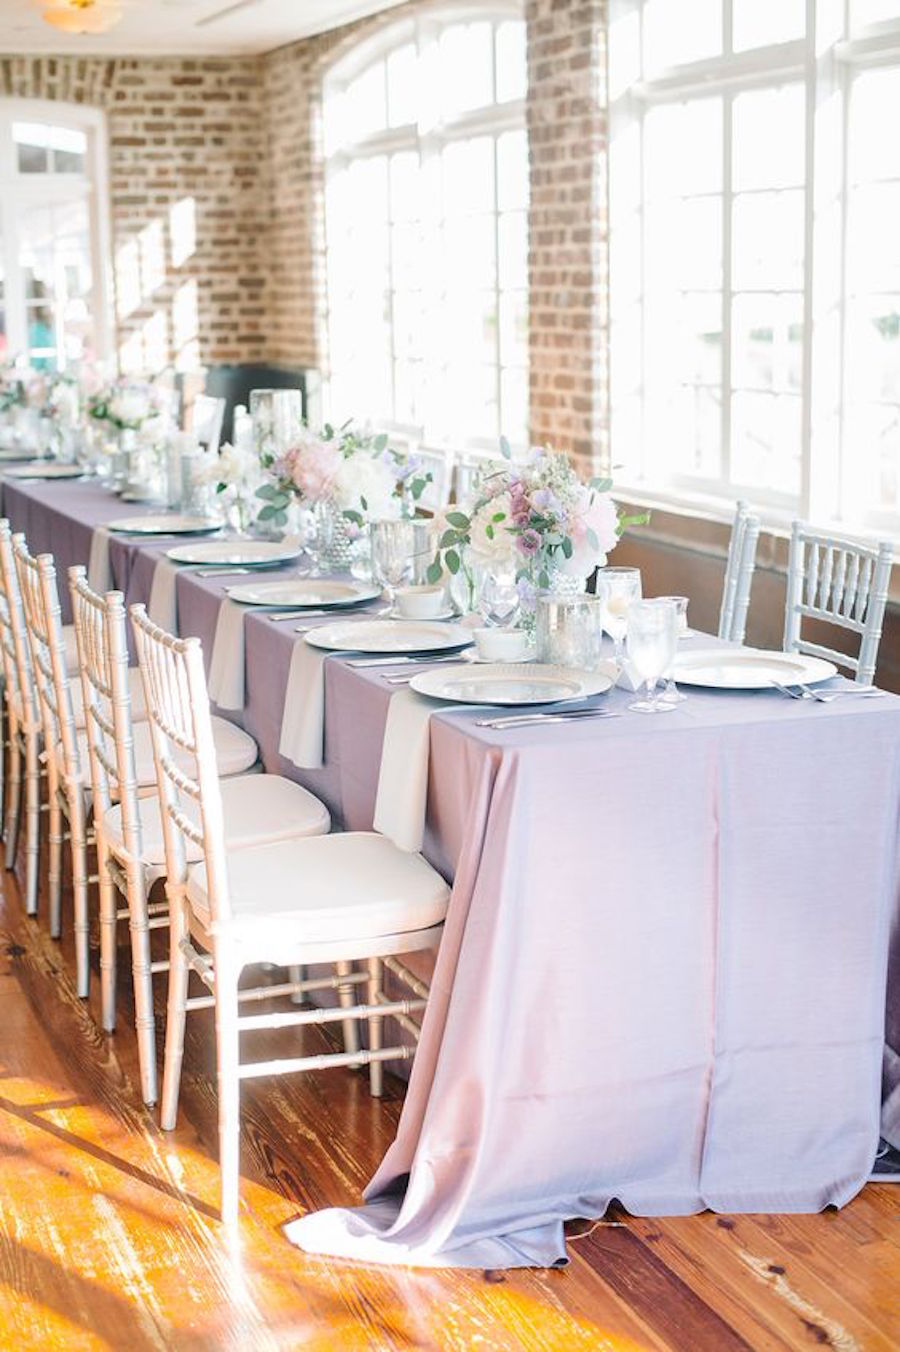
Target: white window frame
(33, 189)
(427, 24)
(825, 62)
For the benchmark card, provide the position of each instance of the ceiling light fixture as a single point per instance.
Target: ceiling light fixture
(83, 16)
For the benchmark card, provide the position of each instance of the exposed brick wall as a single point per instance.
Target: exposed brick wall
(568, 330)
(179, 130)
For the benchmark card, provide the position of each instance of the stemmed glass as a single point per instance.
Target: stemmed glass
(617, 589)
(307, 532)
(393, 547)
(652, 644)
(671, 694)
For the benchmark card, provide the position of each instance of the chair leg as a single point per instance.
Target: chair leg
(4, 739)
(14, 801)
(81, 924)
(108, 936)
(142, 977)
(375, 1024)
(32, 823)
(229, 1088)
(346, 998)
(176, 1014)
(54, 877)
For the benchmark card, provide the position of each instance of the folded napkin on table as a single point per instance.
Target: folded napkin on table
(303, 723)
(99, 568)
(403, 778)
(629, 678)
(226, 667)
(163, 604)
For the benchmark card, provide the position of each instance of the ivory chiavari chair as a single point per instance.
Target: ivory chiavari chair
(841, 583)
(130, 851)
(350, 897)
(739, 575)
(25, 730)
(66, 785)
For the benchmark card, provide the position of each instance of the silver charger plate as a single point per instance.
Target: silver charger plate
(510, 683)
(321, 592)
(748, 669)
(236, 553)
(389, 636)
(162, 523)
(43, 469)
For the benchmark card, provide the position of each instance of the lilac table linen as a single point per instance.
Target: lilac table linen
(662, 977)
(685, 1010)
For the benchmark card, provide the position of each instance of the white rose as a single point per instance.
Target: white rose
(365, 484)
(497, 549)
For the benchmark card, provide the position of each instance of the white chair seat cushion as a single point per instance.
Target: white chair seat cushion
(236, 750)
(353, 886)
(135, 692)
(257, 810)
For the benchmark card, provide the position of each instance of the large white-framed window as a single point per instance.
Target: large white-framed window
(426, 227)
(755, 255)
(54, 241)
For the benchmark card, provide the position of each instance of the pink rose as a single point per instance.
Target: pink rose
(592, 528)
(313, 466)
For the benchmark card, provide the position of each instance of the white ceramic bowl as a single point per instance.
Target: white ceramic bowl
(501, 645)
(422, 602)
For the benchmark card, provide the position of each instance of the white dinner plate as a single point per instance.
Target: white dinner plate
(389, 636)
(163, 523)
(18, 453)
(509, 683)
(45, 470)
(237, 553)
(748, 668)
(300, 592)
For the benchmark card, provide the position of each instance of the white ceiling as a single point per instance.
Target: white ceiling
(176, 27)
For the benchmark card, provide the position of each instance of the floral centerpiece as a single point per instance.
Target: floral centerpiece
(235, 473)
(127, 405)
(12, 388)
(538, 519)
(353, 472)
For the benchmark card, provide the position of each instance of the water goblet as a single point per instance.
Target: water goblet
(652, 644)
(671, 694)
(393, 547)
(617, 588)
(499, 600)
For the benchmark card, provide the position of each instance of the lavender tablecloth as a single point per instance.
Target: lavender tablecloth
(662, 977)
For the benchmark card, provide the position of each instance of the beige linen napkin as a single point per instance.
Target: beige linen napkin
(226, 667)
(163, 604)
(303, 721)
(99, 569)
(402, 796)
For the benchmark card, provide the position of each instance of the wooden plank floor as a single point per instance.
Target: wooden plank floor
(109, 1235)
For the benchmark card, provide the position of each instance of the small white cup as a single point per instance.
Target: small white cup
(501, 645)
(421, 602)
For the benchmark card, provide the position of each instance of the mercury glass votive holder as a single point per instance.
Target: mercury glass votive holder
(568, 630)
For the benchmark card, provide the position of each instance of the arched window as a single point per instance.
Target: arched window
(52, 233)
(426, 215)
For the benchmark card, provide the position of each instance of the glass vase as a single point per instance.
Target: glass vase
(335, 545)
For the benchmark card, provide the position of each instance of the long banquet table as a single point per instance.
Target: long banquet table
(663, 973)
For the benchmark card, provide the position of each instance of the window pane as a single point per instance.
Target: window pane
(766, 441)
(514, 405)
(769, 138)
(768, 241)
(365, 104)
(757, 23)
(469, 176)
(513, 238)
(512, 73)
(403, 85)
(677, 33)
(873, 238)
(874, 105)
(406, 186)
(466, 64)
(873, 11)
(514, 328)
(33, 159)
(767, 343)
(44, 148)
(469, 251)
(684, 244)
(512, 170)
(683, 149)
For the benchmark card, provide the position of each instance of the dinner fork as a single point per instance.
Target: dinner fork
(826, 696)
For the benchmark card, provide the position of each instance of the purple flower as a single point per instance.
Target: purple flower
(529, 543)
(546, 502)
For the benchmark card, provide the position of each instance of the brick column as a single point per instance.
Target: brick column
(568, 336)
